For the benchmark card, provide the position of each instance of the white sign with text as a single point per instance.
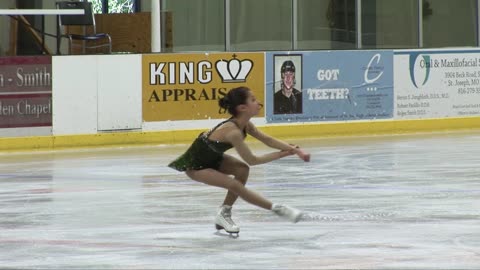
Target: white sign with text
(436, 84)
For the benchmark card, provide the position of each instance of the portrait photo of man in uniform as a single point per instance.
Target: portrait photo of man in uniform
(288, 99)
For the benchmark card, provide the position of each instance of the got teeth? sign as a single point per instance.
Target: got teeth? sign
(335, 86)
(188, 86)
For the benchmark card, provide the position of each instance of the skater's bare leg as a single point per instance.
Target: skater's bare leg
(218, 179)
(239, 169)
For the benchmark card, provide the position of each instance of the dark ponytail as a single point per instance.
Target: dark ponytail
(234, 97)
(224, 102)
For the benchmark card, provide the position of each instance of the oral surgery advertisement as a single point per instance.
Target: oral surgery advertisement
(329, 86)
(437, 84)
(188, 86)
(25, 91)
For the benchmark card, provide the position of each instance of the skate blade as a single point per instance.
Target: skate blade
(233, 234)
(229, 235)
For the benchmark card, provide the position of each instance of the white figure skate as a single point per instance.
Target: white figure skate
(223, 220)
(292, 214)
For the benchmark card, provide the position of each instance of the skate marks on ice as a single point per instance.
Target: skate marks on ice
(308, 216)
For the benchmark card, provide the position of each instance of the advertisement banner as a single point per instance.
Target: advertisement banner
(188, 86)
(25, 91)
(437, 84)
(329, 86)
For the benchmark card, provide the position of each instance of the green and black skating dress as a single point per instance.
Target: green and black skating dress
(203, 153)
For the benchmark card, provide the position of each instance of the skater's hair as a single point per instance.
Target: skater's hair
(234, 97)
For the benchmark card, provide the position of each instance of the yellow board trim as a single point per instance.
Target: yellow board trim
(305, 130)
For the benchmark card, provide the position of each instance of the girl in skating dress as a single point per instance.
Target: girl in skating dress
(205, 160)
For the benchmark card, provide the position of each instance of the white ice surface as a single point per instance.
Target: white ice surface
(391, 202)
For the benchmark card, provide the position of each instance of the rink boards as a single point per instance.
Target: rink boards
(281, 131)
(99, 100)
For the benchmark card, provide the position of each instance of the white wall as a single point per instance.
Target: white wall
(95, 93)
(25, 132)
(119, 92)
(74, 94)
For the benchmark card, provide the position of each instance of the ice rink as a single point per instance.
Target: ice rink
(378, 202)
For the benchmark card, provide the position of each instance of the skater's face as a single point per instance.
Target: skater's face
(252, 106)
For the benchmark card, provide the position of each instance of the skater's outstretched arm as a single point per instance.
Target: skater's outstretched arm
(236, 138)
(276, 143)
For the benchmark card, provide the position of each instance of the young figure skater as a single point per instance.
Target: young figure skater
(206, 162)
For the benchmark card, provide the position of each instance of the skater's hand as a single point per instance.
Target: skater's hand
(302, 154)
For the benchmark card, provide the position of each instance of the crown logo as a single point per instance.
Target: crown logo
(234, 70)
